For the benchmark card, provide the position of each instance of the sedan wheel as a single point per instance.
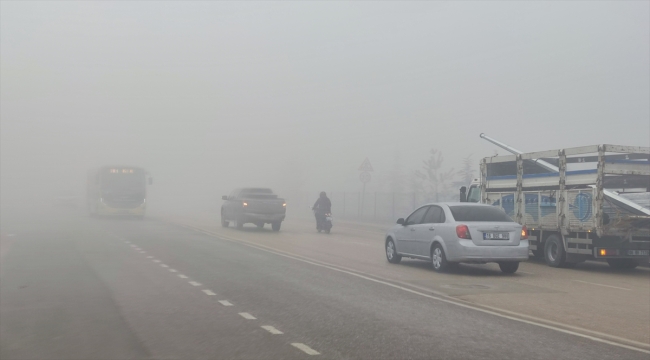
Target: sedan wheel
(438, 259)
(391, 253)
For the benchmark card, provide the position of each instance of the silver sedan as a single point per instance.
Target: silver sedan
(450, 233)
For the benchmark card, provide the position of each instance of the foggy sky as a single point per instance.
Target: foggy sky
(209, 96)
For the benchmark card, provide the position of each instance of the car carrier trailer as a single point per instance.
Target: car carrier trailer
(588, 202)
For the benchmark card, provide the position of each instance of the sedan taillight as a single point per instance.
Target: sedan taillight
(524, 233)
(462, 231)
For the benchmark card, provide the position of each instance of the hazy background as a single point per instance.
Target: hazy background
(209, 96)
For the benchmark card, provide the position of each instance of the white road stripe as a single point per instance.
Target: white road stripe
(195, 283)
(272, 330)
(247, 316)
(149, 257)
(609, 286)
(305, 348)
(225, 302)
(163, 265)
(506, 314)
(208, 292)
(182, 276)
(173, 270)
(156, 261)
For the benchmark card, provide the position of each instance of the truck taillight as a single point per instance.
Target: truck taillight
(462, 231)
(524, 233)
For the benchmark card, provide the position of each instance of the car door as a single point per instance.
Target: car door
(228, 206)
(406, 236)
(426, 231)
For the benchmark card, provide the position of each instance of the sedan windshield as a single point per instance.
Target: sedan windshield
(479, 213)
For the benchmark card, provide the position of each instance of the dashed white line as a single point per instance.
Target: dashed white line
(247, 316)
(156, 261)
(182, 276)
(149, 257)
(208, 292)
(195, 283)
(609, 286)
(173, 270)
(272, 330)
(225, 302)
(305, 348)
(163, 265)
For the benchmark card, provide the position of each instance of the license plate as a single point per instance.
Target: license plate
(496, 236)
(638, 252)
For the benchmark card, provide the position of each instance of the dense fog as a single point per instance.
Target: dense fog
(210, 96)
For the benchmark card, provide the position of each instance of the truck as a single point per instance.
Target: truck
(580, 203)
(259, 206)
(117, 190)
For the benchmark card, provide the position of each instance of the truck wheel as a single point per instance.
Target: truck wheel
(259, 225)
(621, 264)
(276, 225)
(509, 267)
(554, 253)
(224, 223)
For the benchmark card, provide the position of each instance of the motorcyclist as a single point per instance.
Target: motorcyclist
(321, 207)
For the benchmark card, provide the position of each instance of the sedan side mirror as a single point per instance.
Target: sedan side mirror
(225, 197)
(463, 194)
(400, 221)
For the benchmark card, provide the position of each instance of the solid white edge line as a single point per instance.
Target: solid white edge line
(597, 284)
(195, 283)
(271, 329)
(225, 303)
(208, 292)
(494, 312)
(305, 348)
(247, 316)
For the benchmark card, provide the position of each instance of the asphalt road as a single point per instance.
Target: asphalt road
(73, 287)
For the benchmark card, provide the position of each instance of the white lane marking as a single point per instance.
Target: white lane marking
(173, 270)
(195, 283)
(247, 316)
(163, 265)
(272, 330)
(209, 292)
(225, 302)
(127, 242)
(149, 257)
(182, 276)
(305, 348)
(522, 318)
(609, 286)
(156, 261)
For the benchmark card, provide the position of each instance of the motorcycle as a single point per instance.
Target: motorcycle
(323, 223)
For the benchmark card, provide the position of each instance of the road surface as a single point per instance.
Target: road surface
(73, 287)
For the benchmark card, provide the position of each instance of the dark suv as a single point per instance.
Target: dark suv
(258, 206)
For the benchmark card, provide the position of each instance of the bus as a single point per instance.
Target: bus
(117, 191)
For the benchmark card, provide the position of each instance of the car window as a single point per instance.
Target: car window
(434, 215)
(479, 213)
(416, 217)
(474, 195)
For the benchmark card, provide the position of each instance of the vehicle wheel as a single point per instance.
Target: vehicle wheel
(260, 225)
(319, 230)
(391, 252)
(327, 231)
(554, 253)
(224, 223)
(438, 258)
(238, 224)
(621, 264)
(509, 267)
(276, 225)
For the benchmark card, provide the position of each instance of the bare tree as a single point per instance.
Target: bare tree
(468, 170)
(434, 180)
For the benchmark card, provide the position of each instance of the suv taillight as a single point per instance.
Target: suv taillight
(462, 231)
(524, 233)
